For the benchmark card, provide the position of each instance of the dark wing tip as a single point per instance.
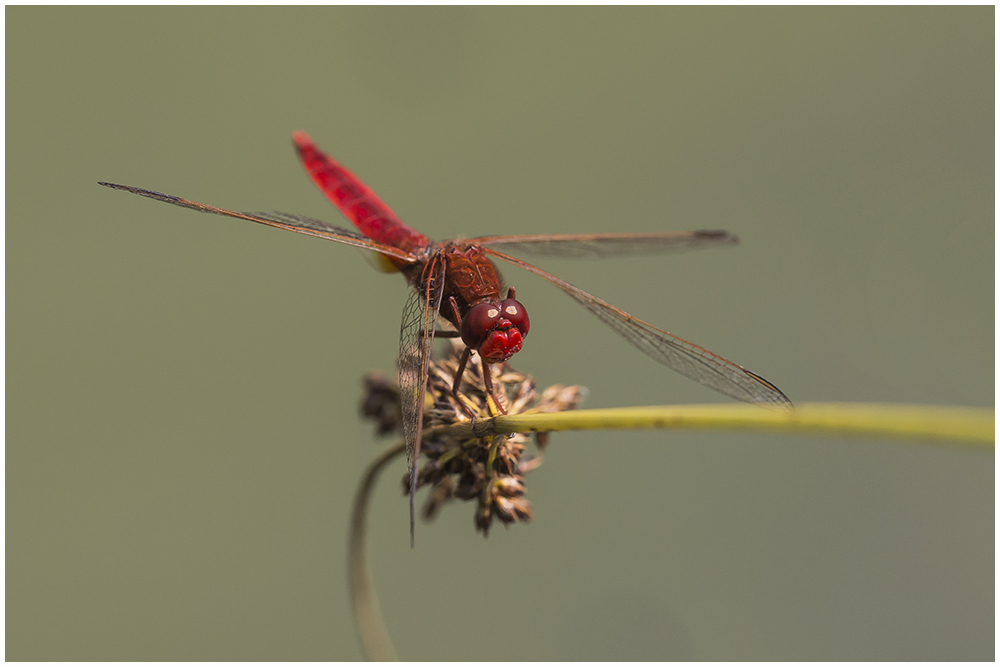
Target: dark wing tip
(147, 193)
(776, 398)
(716, 235)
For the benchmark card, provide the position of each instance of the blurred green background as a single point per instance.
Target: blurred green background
(184, 445)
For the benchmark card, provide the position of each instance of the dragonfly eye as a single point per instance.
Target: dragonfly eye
(518, 316)
(478, 322)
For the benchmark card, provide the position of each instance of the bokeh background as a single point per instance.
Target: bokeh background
(184, 445)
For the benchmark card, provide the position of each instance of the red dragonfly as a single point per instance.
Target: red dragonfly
(457, 281)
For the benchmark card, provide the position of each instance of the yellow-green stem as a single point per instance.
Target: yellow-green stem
(961, 426)
(375, 639)
(970, 427)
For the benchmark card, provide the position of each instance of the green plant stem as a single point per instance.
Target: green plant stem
(961, 426)
(375, 640)
(969, 427)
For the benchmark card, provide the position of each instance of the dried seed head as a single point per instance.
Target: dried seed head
(487, 469)
(380, 403)
(510, 486)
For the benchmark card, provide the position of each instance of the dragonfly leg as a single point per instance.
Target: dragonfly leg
(458, 382)
(461, 364)
(488, 383)
(454, 311)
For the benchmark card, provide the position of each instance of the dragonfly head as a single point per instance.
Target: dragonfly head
(496, 330)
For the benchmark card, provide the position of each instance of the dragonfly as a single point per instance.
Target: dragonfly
(456, 281)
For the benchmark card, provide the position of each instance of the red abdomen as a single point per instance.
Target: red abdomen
(356, 200)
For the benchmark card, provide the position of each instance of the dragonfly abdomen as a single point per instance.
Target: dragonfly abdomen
(356, 201)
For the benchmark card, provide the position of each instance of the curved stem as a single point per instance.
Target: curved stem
(951, 425)
(375, 639)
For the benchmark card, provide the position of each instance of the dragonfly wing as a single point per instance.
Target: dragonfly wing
(416, 337)
(300, 225)
(675, 353)
(303, 222)
(606, 245)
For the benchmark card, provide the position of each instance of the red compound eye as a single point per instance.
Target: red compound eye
(478, 322)
(512, 310)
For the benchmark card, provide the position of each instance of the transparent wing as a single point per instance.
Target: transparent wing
(293, 223)
(675, 353)
(606, 245)
(416, 336)
(303, 222)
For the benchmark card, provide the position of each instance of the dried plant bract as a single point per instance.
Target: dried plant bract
(490, 469)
